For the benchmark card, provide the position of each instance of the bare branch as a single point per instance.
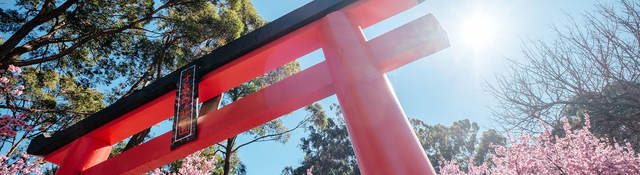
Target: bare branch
(44, 110)
(267, 137)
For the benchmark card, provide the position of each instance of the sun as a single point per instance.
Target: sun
(478, 30)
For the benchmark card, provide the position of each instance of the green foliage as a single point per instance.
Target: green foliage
(68, 100)
(483, 148)
(613, 112)
(458, 141)
(80, 56)
(329, 149)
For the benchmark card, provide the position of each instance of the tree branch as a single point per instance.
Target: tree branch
(44, 110)
(94, 36)
(38, 42)
(42, 17)
(259, 139)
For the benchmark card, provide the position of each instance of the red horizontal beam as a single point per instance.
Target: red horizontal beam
(365, 13)
(407, 43)
(245, 68)
(277, 53)
(251, 111)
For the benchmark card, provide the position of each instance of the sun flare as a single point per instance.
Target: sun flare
(479, 30)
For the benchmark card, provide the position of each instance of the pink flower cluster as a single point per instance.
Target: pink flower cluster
(8, 125)
(14, 69)
(22, 166)
(451, 167)
(6, 82)
(309, 170)
(579, 152)
(192, 164)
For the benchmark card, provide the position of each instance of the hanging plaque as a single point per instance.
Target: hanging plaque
(185, 118)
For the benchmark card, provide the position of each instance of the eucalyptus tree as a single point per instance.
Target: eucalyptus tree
(329, 151)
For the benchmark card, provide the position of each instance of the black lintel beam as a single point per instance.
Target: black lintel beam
(288, 23)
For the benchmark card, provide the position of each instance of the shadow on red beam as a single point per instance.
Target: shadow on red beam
(251, 111)
(57, 156)
(407, 43)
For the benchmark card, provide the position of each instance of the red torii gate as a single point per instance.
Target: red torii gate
(354, 70)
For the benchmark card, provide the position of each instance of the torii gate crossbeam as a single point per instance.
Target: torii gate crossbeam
(354, 70)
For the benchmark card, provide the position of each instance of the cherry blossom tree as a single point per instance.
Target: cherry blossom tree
(25, 164)
(12, 124)
(578, 152)
(192, 164)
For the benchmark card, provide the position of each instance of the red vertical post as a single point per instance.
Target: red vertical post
(84, 153)
(382, 138)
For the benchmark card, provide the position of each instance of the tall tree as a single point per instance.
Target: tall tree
(456, 142)
(592, 67)
(189, 31)
(329, 149)
(79, 56)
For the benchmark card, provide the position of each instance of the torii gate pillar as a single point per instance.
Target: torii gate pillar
(92, 151)
(382, 138)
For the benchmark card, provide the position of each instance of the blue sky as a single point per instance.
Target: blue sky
(444, 87)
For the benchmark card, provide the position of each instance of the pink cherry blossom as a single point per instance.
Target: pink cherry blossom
(6, 130)
(18, 122)
(309, 170)
(16, 92)
(192, 164)
(21, 115)
(14, 69)
(4, 80)
(3, 121)
(25, 164)
(579, 152)
(9, 126)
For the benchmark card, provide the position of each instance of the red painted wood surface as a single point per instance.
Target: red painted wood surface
(407, 43)
(249, 112)
(88, 152)
(354, 70)
(382, 138)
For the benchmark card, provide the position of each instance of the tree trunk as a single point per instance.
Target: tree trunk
(137, 139)
(228, 154)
